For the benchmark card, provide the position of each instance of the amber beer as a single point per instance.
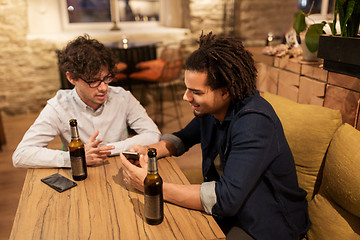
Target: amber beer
(153, 191)
(77, 154)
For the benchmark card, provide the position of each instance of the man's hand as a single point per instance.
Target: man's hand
(94, 153)
(134, 175)
(139, 149)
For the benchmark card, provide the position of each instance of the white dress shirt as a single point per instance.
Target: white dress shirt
(120, 110)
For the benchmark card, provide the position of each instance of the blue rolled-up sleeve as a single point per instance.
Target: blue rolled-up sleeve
(190, 135)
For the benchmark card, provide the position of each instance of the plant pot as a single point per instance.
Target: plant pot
(340, 54)
(307, 56)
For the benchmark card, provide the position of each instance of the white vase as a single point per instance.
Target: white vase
(307, 55)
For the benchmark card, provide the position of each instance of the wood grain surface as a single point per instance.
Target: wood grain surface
(104, 207)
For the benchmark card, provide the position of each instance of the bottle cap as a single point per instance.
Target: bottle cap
(73, 122)
(152, 152)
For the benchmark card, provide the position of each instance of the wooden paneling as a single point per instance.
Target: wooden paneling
(291, 64)
(288, 85)
(314, 71)
(258, 56)
(267, 80)
(311, 91)
(357, 117)
(345, 81)
(344, 100)
(2, 133)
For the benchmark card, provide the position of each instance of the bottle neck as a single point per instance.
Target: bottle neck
(152, 166)
(74, 133)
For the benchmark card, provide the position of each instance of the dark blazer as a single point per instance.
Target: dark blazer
(258, 189)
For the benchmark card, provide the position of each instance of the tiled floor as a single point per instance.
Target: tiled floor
(11, 179)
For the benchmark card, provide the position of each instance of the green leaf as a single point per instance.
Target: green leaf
(312, 36)
(354, 21)
(333, 25)
(340, 4)
(299, 24)
(350, 4)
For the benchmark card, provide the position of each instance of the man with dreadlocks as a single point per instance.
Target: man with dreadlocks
(250, 185)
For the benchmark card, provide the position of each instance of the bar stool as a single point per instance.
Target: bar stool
(159, 74)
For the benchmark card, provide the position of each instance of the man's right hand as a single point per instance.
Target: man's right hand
(95, 153)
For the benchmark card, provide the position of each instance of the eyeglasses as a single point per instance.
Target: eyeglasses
(94, 84)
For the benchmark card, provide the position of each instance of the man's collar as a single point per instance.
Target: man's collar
(83, 105)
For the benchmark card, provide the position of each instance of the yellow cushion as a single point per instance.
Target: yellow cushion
(341, 178)
(194, 175)
(335, 210)
(329, 221)
(308, 129)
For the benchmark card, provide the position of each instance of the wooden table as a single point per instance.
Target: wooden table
(104, 207)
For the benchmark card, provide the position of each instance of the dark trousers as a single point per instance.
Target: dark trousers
(236, 233)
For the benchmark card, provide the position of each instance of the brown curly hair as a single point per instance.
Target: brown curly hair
(227, 64)
(84, 57)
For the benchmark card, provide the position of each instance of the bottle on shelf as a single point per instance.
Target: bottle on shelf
(153, 191)
(77, 154)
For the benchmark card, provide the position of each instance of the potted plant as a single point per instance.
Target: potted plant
(341, 52)
(309, 35)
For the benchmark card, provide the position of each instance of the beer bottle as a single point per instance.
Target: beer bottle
(77, 154)
(153, 191)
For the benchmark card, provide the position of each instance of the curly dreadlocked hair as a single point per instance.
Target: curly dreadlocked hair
(84, 57)
(226, 63)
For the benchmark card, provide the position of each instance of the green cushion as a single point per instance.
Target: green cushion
(308, 129)
(335, 210)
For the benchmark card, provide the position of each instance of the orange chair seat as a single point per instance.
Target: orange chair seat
(151, 75)
(156, 63)
(152, 70)
(119, 77)
(120, 66)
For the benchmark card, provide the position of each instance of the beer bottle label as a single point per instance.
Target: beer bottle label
(153, 208)
(77, 166)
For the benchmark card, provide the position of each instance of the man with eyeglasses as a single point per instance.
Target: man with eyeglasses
(103, 112)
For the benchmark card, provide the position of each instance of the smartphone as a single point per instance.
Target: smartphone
(131, 155)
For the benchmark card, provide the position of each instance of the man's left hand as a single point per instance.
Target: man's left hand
(134, 175)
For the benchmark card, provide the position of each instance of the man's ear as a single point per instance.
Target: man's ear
(69, 78)
(225, 92)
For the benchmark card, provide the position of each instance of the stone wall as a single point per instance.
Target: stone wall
(253, 19)
(28, 69)
(206, 15)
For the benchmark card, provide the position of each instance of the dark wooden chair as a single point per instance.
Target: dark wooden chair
(160, 74)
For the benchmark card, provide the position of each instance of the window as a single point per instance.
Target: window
(322, 7)
(88, 11)
(105, 11)
(137, 10)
